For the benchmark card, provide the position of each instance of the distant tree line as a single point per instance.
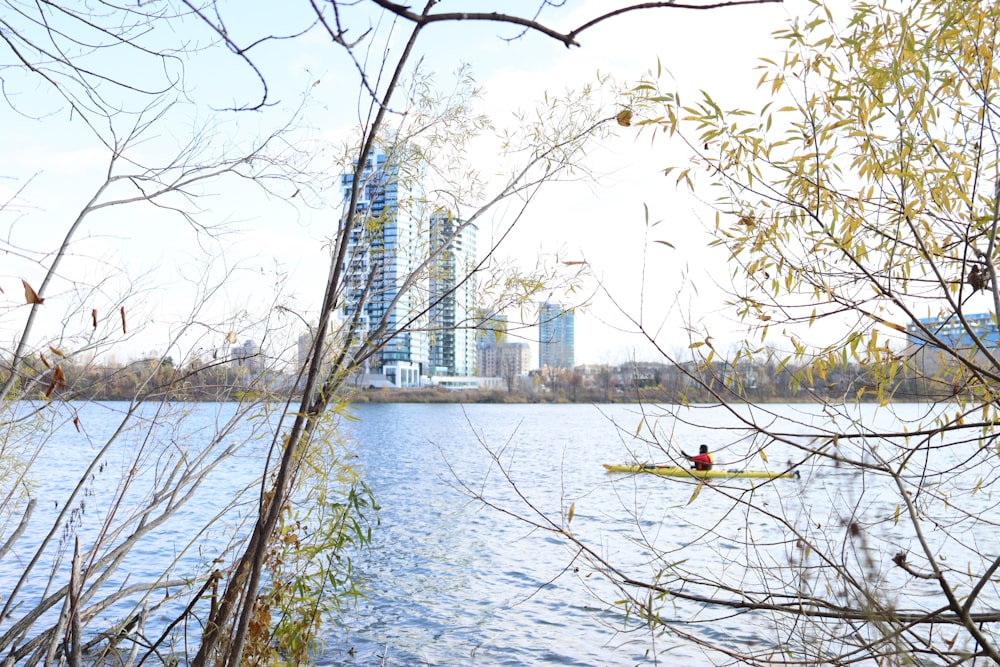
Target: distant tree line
(226, 380)
(151, 379)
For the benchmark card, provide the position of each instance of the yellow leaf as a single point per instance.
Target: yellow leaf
(624, 117)
(896, 520)
(893, 325)
(231, 338)
(763, 456)
(569, 515)
(697, 490)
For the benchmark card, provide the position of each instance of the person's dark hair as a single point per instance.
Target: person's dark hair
(703, 449)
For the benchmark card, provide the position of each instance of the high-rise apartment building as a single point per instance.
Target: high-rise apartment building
(423, 320)
(451, 325)
(387, 243)
(503, 360)
(555, 336)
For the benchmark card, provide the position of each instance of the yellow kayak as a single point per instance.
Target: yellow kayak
(675, 471)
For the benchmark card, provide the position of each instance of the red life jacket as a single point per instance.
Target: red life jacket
(702, 461)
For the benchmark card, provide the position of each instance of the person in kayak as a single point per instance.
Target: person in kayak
(702, 460)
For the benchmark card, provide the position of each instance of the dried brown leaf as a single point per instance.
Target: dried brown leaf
(30, 295)
(58, 381)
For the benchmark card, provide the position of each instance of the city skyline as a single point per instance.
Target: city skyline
(429, 322)
(286, 238)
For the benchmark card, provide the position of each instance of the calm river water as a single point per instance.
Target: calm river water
(451, 580)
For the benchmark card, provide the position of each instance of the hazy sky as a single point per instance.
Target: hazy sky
(52, 165)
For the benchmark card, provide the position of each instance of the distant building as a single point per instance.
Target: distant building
(386, 245)
(451, 327)
(422, 322)
(503, 360)
(490, 338)
(303, 348)
(493, 329)
(466, 383)
(247, 354)
(556, 337)
(953, 333)
(954, 336)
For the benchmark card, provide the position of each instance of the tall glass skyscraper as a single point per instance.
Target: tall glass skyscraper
(420, 311)
(385, 247)
(452, 332)
(555, 336)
